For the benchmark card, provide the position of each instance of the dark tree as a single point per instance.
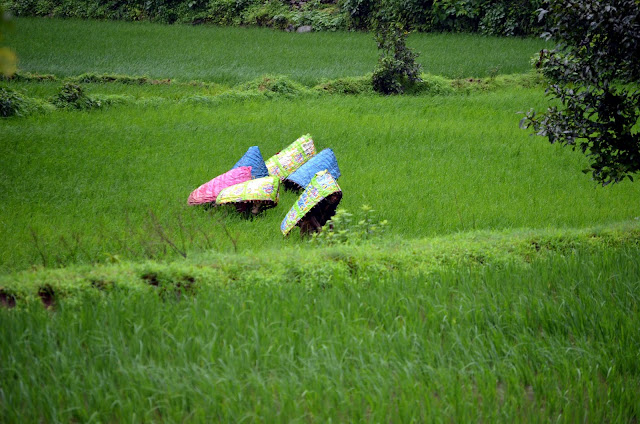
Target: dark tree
(594, 72)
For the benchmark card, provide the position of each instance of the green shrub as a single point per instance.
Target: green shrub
(347, 228)
(397, 68)
(359, 12)
(511, 18)
(224, 12)
(496, 17)
(321, 17)
(11, 103)
(72, 96)
(268, 14)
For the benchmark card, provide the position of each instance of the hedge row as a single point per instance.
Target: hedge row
(494, 17)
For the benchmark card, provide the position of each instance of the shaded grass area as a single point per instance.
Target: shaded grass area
(103, 185)
(555, 340)
(233, 55)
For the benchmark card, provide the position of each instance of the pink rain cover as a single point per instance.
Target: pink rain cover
(208, 192)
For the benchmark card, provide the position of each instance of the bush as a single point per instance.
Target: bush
(11, 103)
(321, 17)
(72, 96)
(272, 14)
(397, 69)
(497, 17)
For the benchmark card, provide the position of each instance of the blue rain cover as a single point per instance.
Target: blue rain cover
(253, 158)
(326, 159)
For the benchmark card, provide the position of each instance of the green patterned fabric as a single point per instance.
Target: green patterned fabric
(291, 158)
(266, 188)
(321, 186)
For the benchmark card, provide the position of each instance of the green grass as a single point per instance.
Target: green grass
(556, 340)
(85, 186)
(506, 288)
(314, 264)
(233, 55)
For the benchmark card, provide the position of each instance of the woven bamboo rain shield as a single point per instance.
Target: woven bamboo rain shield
(260, 189)
(322, 185)
(292, 157)
(325, 160)
(253, 158)
(208, 192)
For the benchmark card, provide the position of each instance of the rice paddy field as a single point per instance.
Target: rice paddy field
(505, 287)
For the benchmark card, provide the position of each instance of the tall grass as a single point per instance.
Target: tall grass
(86, 187)
(553, 341)
(232, 55)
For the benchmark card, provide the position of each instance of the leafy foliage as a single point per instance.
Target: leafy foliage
(72, 96)
(11, 103)
(496, 17)
(594, 72)
(15, 103)
(347, 228)
(397, 68)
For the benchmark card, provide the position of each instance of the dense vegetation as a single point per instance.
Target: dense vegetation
(594, 72)
(493, 17)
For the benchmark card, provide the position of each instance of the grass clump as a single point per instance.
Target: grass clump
(431, 85)
(14, 103)
(11, 103)
(113, 78)
(72, 96)
(347, 85)
(274, 85)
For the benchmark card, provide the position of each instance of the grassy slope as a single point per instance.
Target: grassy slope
(555, 340)
(232, 55)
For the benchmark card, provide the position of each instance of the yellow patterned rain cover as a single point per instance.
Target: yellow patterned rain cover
(291, 158)
(322, 185)
(266, 188)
